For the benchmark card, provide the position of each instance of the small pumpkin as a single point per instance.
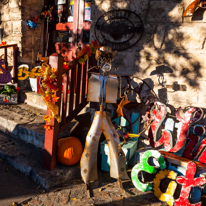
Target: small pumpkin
(69, 150)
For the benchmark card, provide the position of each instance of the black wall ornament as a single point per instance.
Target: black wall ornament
(119, 29)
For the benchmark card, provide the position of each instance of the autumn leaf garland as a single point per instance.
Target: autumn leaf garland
(84, 54)
(48, 86)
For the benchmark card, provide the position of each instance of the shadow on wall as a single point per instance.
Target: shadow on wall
(169, 48)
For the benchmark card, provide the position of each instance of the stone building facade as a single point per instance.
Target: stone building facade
(170, 56)
(14, 17)
(171, 53)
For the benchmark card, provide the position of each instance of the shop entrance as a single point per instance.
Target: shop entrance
(73, 29)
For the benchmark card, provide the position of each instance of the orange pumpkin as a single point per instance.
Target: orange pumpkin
(69, 150)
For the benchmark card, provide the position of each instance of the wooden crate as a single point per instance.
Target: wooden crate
(128, 148)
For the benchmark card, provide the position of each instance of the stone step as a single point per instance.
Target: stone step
(25, 122)
(28, 159)
(35, 100)
(32, 99)
(22, 143)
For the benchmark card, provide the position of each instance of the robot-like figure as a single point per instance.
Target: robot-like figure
(103, 88)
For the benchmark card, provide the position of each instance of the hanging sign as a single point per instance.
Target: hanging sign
(119, 29)
(24, 73)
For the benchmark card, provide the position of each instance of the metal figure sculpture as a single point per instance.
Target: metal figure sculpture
(103, 123)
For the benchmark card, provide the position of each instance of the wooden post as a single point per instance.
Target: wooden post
(15, 64)
(51, 137)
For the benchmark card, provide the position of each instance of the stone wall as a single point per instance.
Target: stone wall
(14, 16)
(171, 53)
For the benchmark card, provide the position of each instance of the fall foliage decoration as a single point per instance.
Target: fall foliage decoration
(83, 54)
(69, 150)
(48, 84)
(48, 92)
(47, 14)
(3, 43)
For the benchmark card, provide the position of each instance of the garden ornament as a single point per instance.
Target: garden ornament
(195, 142)
(103, 123)
(104, 57)
(168, 195)
(187, 183)
(145, 166)
(158, 114)
(9, 90)
(193, 6)
(5, 77)
(42, 59)
(32, 24)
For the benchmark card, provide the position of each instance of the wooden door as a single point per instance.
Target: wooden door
(75, 31)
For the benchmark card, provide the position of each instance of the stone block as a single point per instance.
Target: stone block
(139, 7)
(4, 6)
(15, 14)
(191, 66)
(14, 39)
(7, 28)
(17, 27)
(165, 11)
(34, 202)
(96, 12)
(14, 3)
(5, 15)
(147, 37)
(34, 99)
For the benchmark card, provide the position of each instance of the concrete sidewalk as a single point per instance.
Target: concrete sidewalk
(21, 145)
(17, 188)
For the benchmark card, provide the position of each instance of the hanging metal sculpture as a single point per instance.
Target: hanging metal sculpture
(99, 90)
(119, 29)
(189, 11)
